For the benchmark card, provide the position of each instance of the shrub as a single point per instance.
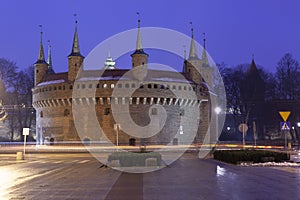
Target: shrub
(255, 156)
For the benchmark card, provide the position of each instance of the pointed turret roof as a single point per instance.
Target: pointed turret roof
(252, 70)
(193, 51)
(41, 55)
(49, 60)
(139, 47)
(75, 47)
(204, 53)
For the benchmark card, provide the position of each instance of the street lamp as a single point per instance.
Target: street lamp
(218, 111)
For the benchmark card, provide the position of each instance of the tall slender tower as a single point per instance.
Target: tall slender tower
(139, 57)
(75, 59)
(40, 66)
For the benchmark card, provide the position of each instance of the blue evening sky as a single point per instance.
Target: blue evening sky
(235, 29)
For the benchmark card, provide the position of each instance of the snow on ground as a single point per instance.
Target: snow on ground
(270, 164)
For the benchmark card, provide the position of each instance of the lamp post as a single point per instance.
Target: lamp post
(218, 111)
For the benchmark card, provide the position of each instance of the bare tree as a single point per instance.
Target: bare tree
(8, 72)
(287, 76)
(23, 113)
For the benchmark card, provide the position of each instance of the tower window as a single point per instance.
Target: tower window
(132, 85)
(83, 86)
(104, 85)
(181, 112)
(37, 71)
(119, 85)
(97, 86)
(179, 87)
(149, 85)
(66, 112)
(41, 114)
(90, 86)
(154, 111)
(112, 85)
(107, 111)
(143, 63)
(174, 87)
(126, 85)
(184, 87)
(71, 87)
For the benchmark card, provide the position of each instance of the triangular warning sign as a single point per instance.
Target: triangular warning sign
(285, 126)
(284, 115)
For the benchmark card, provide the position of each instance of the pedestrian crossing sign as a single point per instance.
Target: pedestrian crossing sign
(285, 126)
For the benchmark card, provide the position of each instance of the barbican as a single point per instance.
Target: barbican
(149, 107)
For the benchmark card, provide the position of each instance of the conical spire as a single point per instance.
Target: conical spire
(139, 47)
(204, 53)
(41, 56)
(75, 46)
(49, 60)
(139, 39)
(252, 70)
(193, 51)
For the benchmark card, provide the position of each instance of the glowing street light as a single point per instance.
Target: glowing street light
(218, 111)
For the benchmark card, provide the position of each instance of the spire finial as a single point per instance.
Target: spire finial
(75, 16)
(193, 51)
(192, 29)
(184, 52)
(41, 55)
(139, 20)
(204, 40)
(139, 38)
(253, 56)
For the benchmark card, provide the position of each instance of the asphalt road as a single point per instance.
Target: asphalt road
(80, 176)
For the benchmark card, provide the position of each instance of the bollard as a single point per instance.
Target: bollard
(20, 155)
(289, 146)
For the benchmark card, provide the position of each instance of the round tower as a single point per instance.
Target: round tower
(75, 59)
(40, 66)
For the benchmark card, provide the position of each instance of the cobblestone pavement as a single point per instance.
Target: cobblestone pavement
(80, 176)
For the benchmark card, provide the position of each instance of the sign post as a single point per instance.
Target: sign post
(254, 133)
(243, 128)
(25, 133)
(285, 125)
(117, 128)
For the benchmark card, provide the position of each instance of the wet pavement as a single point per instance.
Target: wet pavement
(79, 176)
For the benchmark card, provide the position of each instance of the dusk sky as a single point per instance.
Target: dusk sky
(235, 29)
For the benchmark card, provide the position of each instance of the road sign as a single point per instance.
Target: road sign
(243, 128)
(284, 115)
(25, 131)
(285, 126)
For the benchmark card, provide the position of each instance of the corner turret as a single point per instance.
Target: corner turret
(40, 66)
